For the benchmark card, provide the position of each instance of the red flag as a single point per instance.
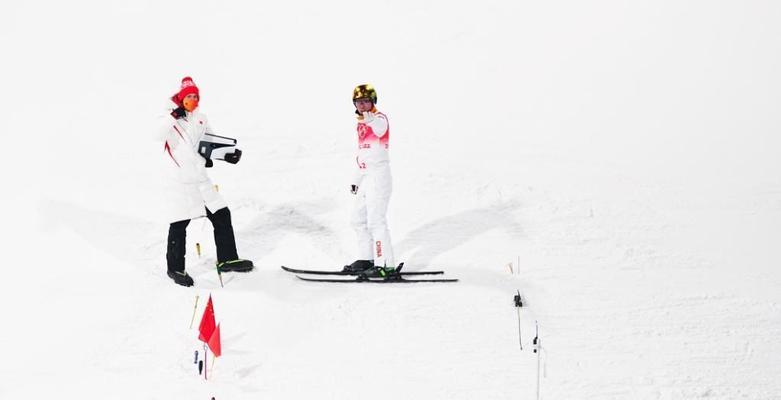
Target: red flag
(214, 343)
(207, 322)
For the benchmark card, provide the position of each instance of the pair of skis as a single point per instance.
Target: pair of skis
(400, 277)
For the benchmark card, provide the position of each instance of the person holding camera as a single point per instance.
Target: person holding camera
(191, 194)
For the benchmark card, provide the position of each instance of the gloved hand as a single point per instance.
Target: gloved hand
(368, 117)
(178, 113)
(354, 189)
(234, 157)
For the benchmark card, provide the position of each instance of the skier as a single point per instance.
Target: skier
(191, 192)
(372, 186)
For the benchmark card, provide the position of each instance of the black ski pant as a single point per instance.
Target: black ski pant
(223, 239)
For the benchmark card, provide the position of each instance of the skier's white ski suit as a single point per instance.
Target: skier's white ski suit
(373, 178)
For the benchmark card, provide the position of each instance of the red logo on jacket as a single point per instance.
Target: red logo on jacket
(362, 131)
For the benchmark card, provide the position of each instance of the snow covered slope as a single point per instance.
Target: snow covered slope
(626, 153)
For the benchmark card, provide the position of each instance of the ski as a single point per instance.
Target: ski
(343, 273)
(375, 280)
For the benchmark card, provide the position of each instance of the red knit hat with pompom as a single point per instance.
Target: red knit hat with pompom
(188, 87)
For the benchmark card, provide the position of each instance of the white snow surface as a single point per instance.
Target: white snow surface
(623, 156)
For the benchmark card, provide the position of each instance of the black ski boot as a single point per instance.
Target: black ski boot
(235, 266)
(180, 277)
(358, 266)
(381, 272)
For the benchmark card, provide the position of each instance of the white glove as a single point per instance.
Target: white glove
(368, 117)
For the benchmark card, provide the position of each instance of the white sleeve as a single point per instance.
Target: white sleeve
(165, 131)
(379, 125)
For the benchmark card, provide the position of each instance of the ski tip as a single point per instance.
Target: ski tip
(324, 280)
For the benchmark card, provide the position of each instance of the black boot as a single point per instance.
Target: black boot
(227, 257)
(181, 278)
(235, 266)
(358, 266)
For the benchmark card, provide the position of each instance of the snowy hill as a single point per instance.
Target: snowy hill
(625, 153)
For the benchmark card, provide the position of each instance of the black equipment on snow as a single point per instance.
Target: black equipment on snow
(396, 276)
(353, 273)
(378, 280)
(537, 349)
(517, 299)
(536, 336)
(518, 304)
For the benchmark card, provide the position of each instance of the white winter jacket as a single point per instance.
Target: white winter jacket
(189, 189)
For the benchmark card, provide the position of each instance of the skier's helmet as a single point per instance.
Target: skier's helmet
(365, 92)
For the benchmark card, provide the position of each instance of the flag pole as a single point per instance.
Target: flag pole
(194, 309)
(518, 304)
(537, 349)
(206, 366)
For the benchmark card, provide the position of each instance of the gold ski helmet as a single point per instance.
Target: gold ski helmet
(365, 92)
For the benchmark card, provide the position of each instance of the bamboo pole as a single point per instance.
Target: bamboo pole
(194, 309)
